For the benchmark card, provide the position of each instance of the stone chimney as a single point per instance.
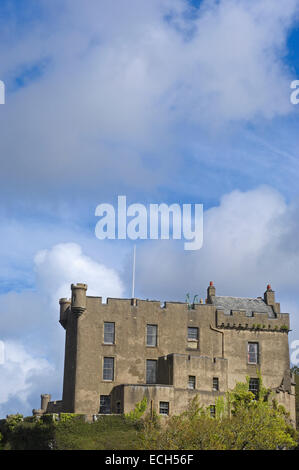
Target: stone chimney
(269, 298)
(211, 292)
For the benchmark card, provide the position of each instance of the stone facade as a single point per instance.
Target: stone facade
(120, 351)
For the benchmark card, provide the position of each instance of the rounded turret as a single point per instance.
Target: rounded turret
(64, 308)
(45, 398)
(78, 298)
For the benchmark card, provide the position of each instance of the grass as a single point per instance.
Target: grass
(109, 433)
(112, 433)
(297, 400)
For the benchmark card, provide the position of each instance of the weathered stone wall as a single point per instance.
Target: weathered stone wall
(221, 352)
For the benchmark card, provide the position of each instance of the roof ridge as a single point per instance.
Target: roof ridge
(242, 298)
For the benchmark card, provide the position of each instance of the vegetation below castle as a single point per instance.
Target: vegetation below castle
(295, 370)
(109, 432)
(241, 422)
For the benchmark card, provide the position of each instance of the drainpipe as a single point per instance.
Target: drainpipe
(222, 342)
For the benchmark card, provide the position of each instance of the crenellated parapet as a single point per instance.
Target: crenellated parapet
(261, 313)
(76, 305)
(257, 321)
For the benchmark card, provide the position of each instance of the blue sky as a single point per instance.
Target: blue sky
(162, 101)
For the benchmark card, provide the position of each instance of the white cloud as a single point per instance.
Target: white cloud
(29, 324)
(118, 85)
(250, 239)
(65, 264)
(236, 60)
(19, 373)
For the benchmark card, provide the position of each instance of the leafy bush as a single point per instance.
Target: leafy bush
(242, 422)
(13, 420)
(66, 417)
(109, 432)
(30, 436)
(138, 412)
(284, 328)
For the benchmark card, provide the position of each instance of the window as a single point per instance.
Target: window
(151, 335)
(108, 369)
(191, 382)
(109, 332)
(253, 353)
(164, 408)
(215, 384)
(212, 411)
(151, 371)
(105, 404)
(192, 337)
(118, 407)
(254, 386)
(192, 334)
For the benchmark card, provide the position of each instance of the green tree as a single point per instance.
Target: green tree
(243, 421)
(138, 411)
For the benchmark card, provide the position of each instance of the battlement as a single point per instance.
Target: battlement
(261, 313)
(256, 321)
(135, 302)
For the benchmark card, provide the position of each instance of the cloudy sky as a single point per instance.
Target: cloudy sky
(173, 101)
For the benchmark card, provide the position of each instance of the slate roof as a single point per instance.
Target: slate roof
(242, 304)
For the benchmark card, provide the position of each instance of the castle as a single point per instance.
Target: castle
(120, 351)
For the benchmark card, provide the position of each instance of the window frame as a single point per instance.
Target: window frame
(215, 387)
(105, 405)
(189, 382)
(257, 352)
(193, 333)
(197, 333)
(254, 390)
(153, 361)
(161, 405)
(153, 336)
(109, 323)
(106, 368)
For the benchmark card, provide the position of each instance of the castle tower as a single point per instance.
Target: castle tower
(70, 314)
(78, 298)
(45, 398)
